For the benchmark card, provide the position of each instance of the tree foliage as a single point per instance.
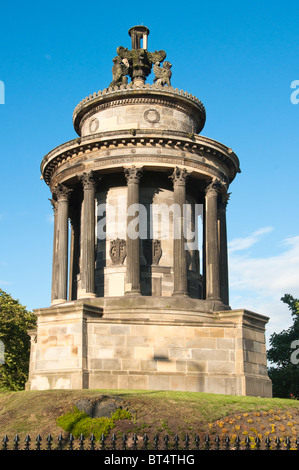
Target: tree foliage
(284, 352)
(15, 321)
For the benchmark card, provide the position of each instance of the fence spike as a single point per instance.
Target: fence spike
(207, 441)
(81, 439)
(238, 442)
(217, 442)
(277, 442)
(135, 440)
(247, 443)
(124, 442)
(103, 439)
(197, 441)
(176, 442)
(5, 442)
(16, 441)
(49, 442)
(227, 442)
(38, 442)
(60, 441)
(187, 440)
(288, 443)
(257, 443)
(156, 441)
(145, 441)
(27, 442)
(113, 440)
(71, 442)
(92, 442)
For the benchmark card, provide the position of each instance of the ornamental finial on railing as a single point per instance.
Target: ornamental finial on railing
(137, 63)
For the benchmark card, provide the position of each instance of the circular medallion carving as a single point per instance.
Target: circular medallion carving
(94, 125)
(152, 116)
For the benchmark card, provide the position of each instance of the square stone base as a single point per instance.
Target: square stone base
(119, 345)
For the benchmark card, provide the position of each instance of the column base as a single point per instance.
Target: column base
(133, 292)
(58, 301)
(86, 295)
(180, 294)
(214, 299)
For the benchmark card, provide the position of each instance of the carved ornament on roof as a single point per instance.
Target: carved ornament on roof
(137, 63)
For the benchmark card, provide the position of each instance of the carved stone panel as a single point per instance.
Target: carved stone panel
(157, 251)
(152, 251)
(118, 251)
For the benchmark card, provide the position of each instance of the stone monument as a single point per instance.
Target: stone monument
(140, 295)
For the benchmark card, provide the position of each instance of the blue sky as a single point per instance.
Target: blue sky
(238, 58)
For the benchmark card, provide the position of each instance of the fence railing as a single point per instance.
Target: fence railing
(134, 442)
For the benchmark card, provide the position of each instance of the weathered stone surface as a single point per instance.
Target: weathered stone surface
(167, 351)
(98, 408)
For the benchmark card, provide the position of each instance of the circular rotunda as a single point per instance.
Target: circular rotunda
(140, 291)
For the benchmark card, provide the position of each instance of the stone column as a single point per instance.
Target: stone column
(74, 252)
(222, 240)
(204, 246)
(133, 176)
(180, 283)
(61, 243)
(88, 236)
(54, 257)
(211, 239)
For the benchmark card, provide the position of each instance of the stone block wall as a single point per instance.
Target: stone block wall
(77, 346)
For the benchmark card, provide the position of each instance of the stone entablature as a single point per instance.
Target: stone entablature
(214, 159)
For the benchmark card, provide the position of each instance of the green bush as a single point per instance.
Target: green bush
(78, 422)
(15, 321)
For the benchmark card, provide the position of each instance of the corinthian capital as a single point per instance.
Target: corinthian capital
(62, 192)
(88, 180)
(213, 188)
(133, 174)
(179, 176)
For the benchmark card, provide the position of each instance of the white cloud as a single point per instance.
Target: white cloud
(242, 243)
(258, 283)
(50, 218)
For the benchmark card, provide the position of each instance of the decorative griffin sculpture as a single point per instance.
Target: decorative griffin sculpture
(162, 74)
(119, 71)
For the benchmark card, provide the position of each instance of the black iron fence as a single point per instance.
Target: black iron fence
(157, 443)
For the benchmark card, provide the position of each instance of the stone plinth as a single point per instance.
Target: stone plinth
(158, 347)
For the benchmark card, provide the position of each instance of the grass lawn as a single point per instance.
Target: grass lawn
(152, 412)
